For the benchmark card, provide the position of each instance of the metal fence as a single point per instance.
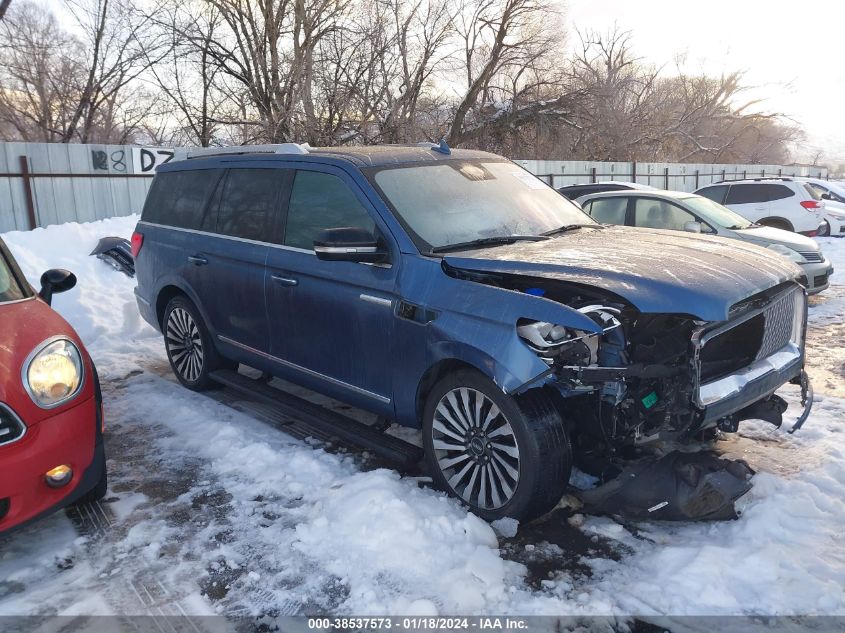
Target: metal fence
(675, 176)
(51, 183)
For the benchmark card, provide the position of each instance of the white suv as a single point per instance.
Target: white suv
(783, 203)
(833, 193)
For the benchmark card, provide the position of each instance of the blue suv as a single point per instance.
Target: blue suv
(452, 291)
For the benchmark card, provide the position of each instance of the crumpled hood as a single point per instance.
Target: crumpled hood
(667, 272)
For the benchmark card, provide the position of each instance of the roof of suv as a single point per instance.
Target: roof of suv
(361, 156)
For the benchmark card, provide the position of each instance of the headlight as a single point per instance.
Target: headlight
(542, 336)
(788, 252)
(53, 373)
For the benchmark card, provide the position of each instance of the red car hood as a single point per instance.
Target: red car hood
(25, 325)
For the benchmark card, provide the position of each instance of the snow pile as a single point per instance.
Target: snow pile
(231, 515)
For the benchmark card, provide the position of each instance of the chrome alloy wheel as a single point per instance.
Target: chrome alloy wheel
(184, 344)
(475, 448)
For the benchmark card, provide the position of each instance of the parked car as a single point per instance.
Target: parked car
(833, 194)
(51, 418)
(679, 211)
(454, 291)
(782, 203)
(576, 191)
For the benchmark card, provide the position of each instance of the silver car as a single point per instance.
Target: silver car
(680, 211)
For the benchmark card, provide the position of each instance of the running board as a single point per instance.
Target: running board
(340, 426)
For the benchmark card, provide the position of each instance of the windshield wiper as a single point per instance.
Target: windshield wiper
(571, 227)
(488, 241)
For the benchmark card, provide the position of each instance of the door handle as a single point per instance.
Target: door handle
(196, 260)
(284, 281)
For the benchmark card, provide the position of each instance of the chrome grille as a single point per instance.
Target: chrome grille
(11, 427)
(780, 322)
(813, 257)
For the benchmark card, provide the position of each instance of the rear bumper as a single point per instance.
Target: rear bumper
(147, 310)
(72, 437)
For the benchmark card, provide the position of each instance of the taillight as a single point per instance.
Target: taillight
(137, 243)
(811, 204)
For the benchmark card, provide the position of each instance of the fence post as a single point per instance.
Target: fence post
(724, 174)
(666, 177)
(780, 172)
(744, 174)
(27, 192)
(593, 175)
(696, 179)
(634, 171)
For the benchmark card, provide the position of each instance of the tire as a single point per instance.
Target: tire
(522, 454)
(97, 492)
(190, 350)
(824, 229)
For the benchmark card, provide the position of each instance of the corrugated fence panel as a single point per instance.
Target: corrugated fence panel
(82, 183)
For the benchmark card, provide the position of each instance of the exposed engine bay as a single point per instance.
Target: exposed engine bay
(647, 383)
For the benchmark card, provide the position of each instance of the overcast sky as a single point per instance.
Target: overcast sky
(793, 53)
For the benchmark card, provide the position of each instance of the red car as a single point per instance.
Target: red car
(51, 417)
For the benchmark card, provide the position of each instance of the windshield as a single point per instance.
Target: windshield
(453, 202)
(717, 214)
(10, 290)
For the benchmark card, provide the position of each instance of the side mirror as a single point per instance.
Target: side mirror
(54, 281)
(827, 196)
(692, 227)
(349, 244)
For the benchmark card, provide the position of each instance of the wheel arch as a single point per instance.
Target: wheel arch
(774, 220)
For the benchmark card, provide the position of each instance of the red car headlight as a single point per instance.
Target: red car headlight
(52, 374)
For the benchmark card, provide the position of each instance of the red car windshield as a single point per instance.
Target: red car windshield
(10, 289)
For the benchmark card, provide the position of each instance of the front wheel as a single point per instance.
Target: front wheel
(501, 456)
(824, 229)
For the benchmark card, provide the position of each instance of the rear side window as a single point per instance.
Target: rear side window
(179, 198)
(609, 210)
(659, 214)
(715, 193)
(321, 201)
(249, 203)
(779, 192)
(748, 194)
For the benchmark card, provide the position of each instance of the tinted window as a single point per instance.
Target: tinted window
(249, 202)
(178, 198)
(715, 193)
(779, 192)
(321, 201)
(10, 290)
(659, 214)
(748, 194)
(609, 210)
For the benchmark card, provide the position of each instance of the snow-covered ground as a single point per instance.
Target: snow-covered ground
(212, 510)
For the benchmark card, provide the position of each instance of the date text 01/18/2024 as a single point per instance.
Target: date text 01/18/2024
(418, 623)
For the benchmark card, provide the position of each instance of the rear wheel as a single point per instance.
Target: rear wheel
(501, 456)
(191, 353)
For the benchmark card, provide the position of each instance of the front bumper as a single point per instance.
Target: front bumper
(72, 437)
(817, 276)
(725, 396)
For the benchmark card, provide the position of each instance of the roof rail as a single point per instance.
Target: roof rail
(278, 148)
(758, 179)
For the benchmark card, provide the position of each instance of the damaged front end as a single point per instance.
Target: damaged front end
(648, 382)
